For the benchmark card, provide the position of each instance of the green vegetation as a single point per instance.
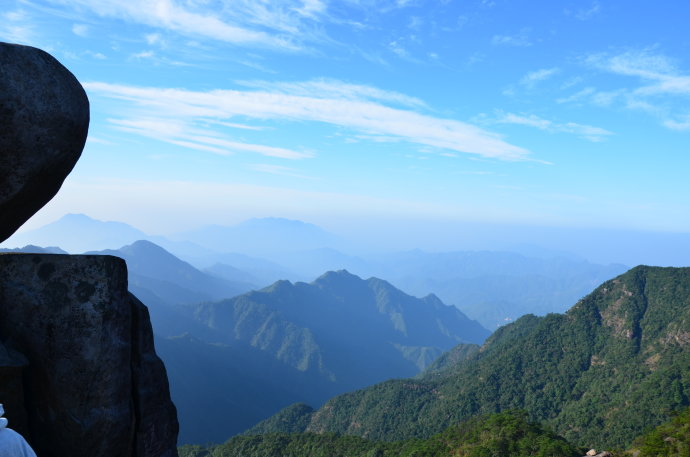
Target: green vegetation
(614, 365)
(671, 439)
(508, 434)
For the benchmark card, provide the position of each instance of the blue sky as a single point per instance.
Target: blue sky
(353, 114)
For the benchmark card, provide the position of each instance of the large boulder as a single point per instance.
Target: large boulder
(44, 114)
(93, 385)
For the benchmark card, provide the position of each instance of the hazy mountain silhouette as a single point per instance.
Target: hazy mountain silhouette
(262, 236)
(77, 233)
(335, 334)
(174, 281)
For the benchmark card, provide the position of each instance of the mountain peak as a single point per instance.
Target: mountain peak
(342, 273)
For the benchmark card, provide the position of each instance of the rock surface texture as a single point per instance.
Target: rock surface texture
(44, 119)
(93, 385)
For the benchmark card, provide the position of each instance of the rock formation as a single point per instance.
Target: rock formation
(93, 384)
(44, 114)
(79, 375)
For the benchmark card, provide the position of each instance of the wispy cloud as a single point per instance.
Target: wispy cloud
(364, 114)
(582, 94)
(534, 77)
(584, 14)
(660, 71)
(186, 134)
(81, 30)
(682, 125)
(332, 88)
(520, 39)
(245, 22)
(659, 84)
(15, 27)
(588, 132)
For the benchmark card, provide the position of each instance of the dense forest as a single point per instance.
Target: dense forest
(508, 434)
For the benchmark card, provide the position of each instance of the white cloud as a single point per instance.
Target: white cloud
(533, 77)
(577, 96)
(215, 22)
(587, 13)
(361, 114)
(81, 30)
(588, 132)
(95, 55)
(682, 125)
(143, 55)
(15, 27)
(660, 83)
(661, 71)
(312, 8)
(186, 134)
(518, 40)
(153, 38)
(333, 88)
(397, 49)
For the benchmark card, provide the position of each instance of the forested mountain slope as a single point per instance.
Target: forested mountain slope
(247, 357)
(350, 330)
(615, 364)
(508, 434)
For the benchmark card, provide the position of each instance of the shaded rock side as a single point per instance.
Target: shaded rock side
(44, 114)
(93, 385)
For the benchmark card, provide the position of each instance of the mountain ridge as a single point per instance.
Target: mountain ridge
(601, 373)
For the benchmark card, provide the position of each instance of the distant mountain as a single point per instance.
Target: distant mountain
(262, 236)
(312, 262)
(342, 316)
(78, 233)
(264, 271)
(611, 367)
(172, 280)
(335, 334)
(495, 287)
(31, 249)
(492, 287)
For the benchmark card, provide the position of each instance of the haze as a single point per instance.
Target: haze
(439, 125)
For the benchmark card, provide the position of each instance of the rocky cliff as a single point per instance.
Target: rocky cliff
(79, 375)
(93, 384)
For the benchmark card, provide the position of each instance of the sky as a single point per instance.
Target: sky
(363, 114)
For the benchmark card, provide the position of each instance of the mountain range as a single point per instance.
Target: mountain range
(227, 348)
(336, 334)
(612, 366)
(493, 287)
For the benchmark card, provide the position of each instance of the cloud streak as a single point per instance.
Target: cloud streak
(665, 78)
(534, 77)
(183, 134)
(271, 24)
(358, 108)
(520, 39)
(588, 132)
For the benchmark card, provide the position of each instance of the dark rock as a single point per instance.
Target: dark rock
(12, 366)
(44, 114)
(94, 385)
(156, 432)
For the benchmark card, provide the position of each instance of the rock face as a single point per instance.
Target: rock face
(44, 114)
(93, 385)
